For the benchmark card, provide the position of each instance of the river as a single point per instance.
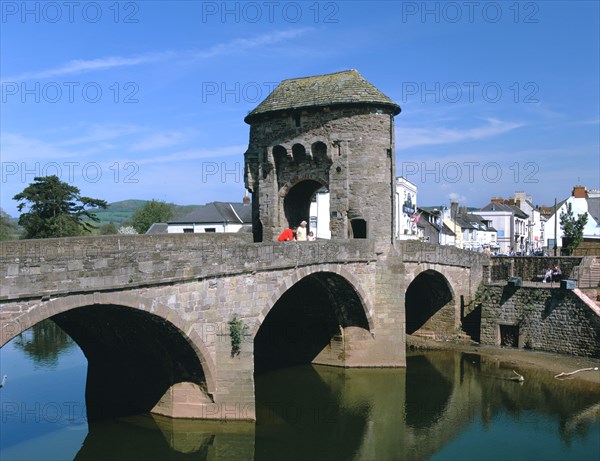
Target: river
(445, 405)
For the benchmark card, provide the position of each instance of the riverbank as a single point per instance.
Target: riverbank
(553, 363)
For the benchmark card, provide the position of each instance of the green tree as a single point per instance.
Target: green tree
(9, 229)
(572, 228)
(108, 229)
(44, 342)
(152, 212)
(56, 209)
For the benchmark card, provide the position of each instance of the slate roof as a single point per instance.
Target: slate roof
(339, 88)
(217, 212)
(594, 208)
(473, 221)
(503, 207)
(158, 228)
(424, 222)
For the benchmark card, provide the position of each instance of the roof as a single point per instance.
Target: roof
(217, 212)
(594, 208)
(347, 88)
(424, 223)
(158, 228)
(513, 209)
(473, 221)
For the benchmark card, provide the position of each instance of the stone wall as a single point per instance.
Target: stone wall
(547, 319)
(357, 167)
(530, 267)
(35, 268)
(195, 287)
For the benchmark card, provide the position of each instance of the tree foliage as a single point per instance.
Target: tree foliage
(152, 212)
(108, 229)
(572, 228)
(55, 209)
(8, 228)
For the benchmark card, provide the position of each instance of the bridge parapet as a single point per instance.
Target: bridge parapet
(37, 268)
(414, 251)
(530, 267)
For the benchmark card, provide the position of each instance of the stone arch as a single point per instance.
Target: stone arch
(299, 153)
(314, 316)
(318, 150)
(430, 304)
(61, 305)
(297, 195)
(280, 156)
(295, 277)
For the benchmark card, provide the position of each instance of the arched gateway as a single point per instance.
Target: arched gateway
(333, 131)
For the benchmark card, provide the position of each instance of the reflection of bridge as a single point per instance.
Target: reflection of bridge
(413, 413)
(152, 313)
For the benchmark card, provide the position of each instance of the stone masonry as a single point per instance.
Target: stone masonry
(547, 319)
(332, 131)
(156, 312)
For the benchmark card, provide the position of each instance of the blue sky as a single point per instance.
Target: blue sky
(146, 99)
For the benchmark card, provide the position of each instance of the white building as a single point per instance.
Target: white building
(406, 210)
(534, 239)
(478, 233)
(510, 223)
(319, 215)
(215, 217)
(583, 201)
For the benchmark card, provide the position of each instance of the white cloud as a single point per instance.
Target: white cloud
(413, 137)
(79, 66)
(160, 141)
(457, 197)
(194, 154)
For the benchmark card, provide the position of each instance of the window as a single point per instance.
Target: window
(509, 335)
(188, 230)
(210, 229)
(359, 228)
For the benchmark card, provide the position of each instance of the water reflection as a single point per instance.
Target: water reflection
(43, 343)
(443, 406)
(159, 438)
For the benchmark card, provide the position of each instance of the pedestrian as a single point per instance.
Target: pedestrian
(548, 275)
(287, 235)
(301, 232)
(556, 273)
(311, 237)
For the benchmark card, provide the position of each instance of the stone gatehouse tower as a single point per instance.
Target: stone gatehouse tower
(333, 131)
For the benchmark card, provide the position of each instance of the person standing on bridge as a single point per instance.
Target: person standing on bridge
(301, 232)
(287, 235)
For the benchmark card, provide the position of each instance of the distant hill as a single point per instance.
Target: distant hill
(120, 212)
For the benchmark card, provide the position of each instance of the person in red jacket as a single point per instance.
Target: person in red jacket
(286, 235)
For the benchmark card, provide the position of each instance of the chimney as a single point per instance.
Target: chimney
(453, 209)
(246, 199)
(463, 210)
(497, 200)
(518, 203)
(579, 192)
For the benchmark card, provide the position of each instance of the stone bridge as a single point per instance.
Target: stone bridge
(157, 317)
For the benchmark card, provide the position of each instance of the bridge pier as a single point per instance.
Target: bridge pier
(233, 399)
